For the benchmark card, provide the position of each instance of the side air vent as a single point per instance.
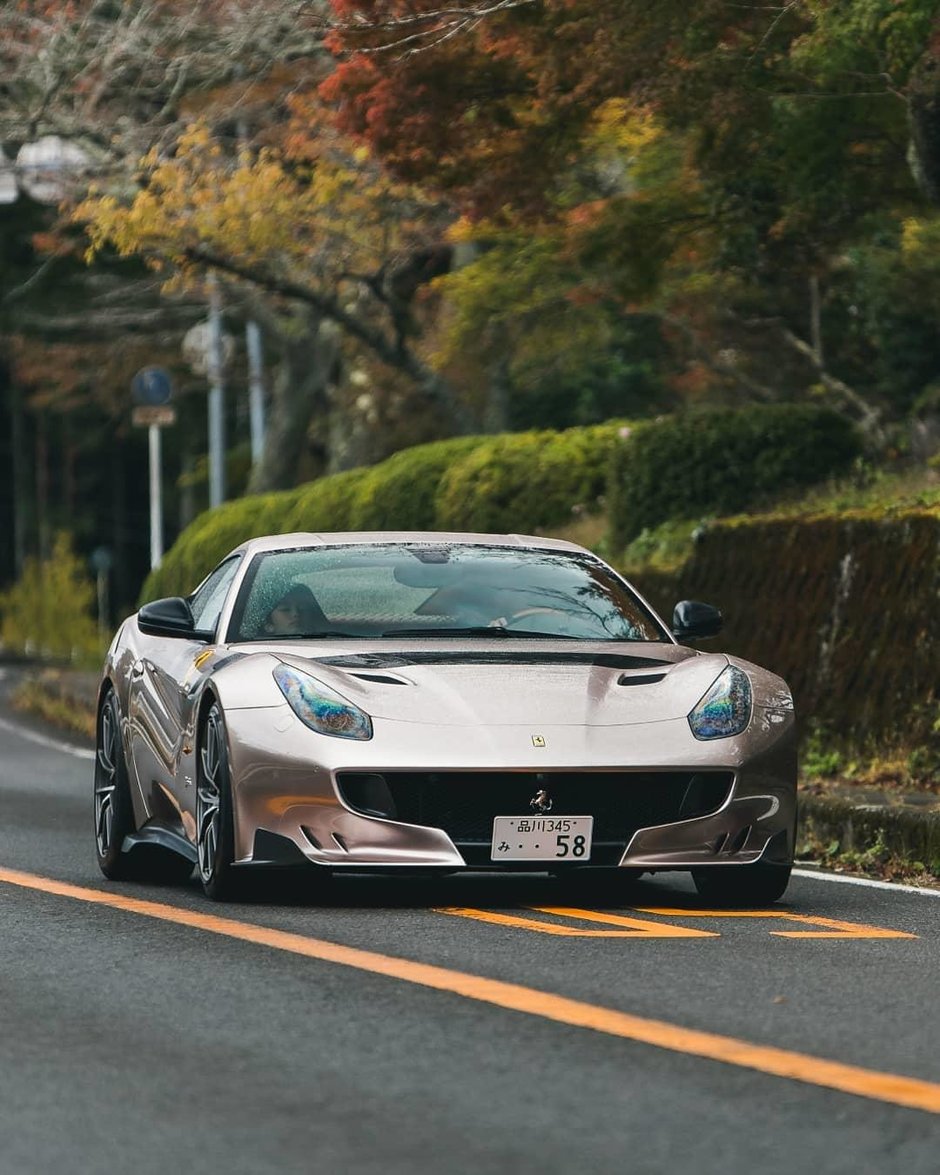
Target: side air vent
(309, 834)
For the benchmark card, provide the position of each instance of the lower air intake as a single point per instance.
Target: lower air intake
(464, 803)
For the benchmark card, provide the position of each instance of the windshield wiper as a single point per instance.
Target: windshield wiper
(309, 636)
(497, 632)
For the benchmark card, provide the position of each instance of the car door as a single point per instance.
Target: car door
(164, 680)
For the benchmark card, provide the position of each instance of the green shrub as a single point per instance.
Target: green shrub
(722, 462)
(401, 492)
(525, 481)
(48, 612)
(326, 504)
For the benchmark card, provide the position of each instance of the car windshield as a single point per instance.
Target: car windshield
(391, 590)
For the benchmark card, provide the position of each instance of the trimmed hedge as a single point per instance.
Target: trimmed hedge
(325, 504)
(527, 481)
(401, 493)
(722, 462)
(844, 607)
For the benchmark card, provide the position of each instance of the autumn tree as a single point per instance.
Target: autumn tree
(798, 124)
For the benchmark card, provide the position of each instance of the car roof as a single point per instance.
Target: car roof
(287, 542)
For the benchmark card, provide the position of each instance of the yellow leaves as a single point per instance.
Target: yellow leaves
(620, 125)
(337, 212)
(919, 237)
(464, 230)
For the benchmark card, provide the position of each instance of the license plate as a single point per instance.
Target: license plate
(542, 838)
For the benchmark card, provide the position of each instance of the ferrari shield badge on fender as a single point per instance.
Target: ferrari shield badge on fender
(538, 740)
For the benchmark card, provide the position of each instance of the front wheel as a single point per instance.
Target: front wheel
(742, 885)
(215, 827)
(114, 814)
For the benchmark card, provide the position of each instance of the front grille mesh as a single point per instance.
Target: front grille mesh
(464, 803)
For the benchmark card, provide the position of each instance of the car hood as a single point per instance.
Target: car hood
(502, 687)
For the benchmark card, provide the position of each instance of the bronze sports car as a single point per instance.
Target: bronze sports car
(437, 702)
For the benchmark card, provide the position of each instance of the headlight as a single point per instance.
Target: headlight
(726, 708)
(321, 708)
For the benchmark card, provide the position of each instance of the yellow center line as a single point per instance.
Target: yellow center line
(894, 1089)
(637, 927)
(642, 928)
(834, 928)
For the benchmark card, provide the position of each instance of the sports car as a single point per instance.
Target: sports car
(378, 702)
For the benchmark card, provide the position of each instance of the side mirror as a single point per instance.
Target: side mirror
(693, 619)
(170, 617)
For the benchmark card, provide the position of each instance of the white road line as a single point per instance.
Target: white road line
(51, 743)
(845, 879)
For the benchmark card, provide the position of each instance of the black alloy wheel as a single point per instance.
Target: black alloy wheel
(114, 814)
(742, 885)
(215, 829)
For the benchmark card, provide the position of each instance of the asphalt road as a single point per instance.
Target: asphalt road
(470, 1024)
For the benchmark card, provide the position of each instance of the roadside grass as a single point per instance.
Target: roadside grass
(666, 547)
(50, 697)
(869, 487)
(898, 768)
(876, 861)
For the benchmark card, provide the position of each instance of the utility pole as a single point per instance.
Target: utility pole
(255, 389)
(253, 346)
(156, 498)
(216, 396)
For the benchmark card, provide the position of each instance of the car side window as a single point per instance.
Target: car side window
(208, 599)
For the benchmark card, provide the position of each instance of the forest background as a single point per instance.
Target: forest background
(452, 219)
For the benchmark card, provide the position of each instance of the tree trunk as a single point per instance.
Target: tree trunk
(496, 413)
(815, 320)
(300, 392)
(924, 107)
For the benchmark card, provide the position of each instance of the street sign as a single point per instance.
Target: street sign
(147, 415)
(151, 386)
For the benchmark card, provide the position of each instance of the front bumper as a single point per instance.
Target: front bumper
(287, 785)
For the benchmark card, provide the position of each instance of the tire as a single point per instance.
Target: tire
(114, 813)
(215, 827)
(742, 885)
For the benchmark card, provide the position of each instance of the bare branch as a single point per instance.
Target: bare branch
(20, 291)
(715, 363)
(393, 352)
(870, 417)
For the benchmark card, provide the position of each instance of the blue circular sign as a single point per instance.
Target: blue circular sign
(152, 386)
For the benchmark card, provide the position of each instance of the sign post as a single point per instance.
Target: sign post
(101, 561)
(151, 388)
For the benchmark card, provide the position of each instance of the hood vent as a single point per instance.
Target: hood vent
(639, 678)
